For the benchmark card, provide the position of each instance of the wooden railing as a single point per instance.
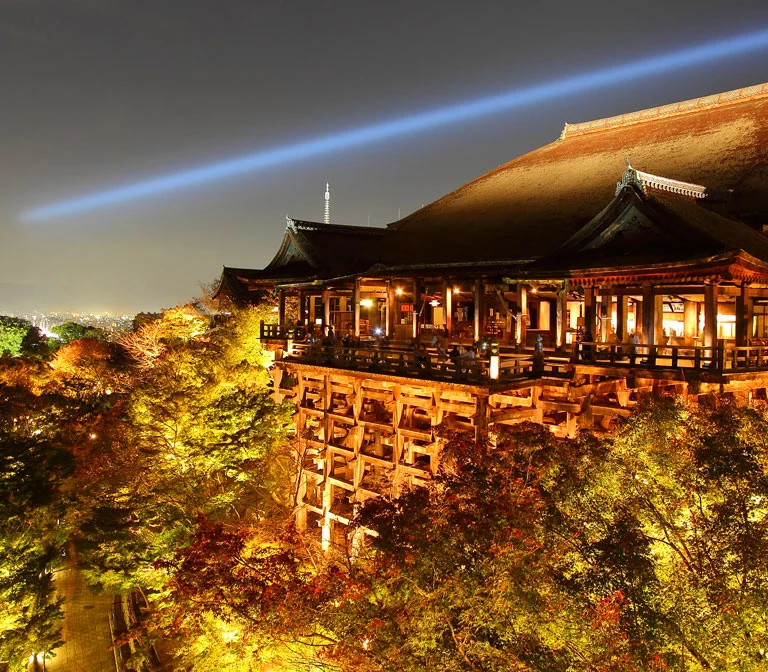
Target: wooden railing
(718, 357)
(426, 363)
(282, 332)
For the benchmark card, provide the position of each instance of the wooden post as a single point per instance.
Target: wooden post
(649, 318)
(356, 306)
(606, 306)
(658, 320)
(690, 321)
(589, 314)
(416, 307)
(562, 314)
(326, 309)
(522, 314)
(302, 316)
(742, 321)
(281, 310)
(478, 307)
(448, 293)
(622, 306)
(390, 328)
(711, 292)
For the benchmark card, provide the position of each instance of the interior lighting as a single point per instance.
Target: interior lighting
(366, 303)
(399, 291)
(434, 303)
(405, 124)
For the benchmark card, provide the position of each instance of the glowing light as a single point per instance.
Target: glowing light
(399, 291)
(335, 142)
(366, 303)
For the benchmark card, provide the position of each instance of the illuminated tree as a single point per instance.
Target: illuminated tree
(74, 331)
(33, 473)
(192, 438)
(13, 333)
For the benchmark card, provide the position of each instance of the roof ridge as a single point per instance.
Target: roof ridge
(305, 225)
(663, 111)
(658, 182)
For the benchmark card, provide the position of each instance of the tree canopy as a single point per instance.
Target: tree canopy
(166, 462)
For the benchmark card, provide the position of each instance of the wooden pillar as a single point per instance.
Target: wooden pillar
(302, 316)
(448, 293)
(690, 321)
(326, 309)
(589, 314)
(390, 328)
(606, 308)
(711, 292)
(742, 316)
(281, 309)
(622, 309)
(522, 314)
(478, 307)
(561, 328)
(356, 305)
(416, 307)
(658, 319)
(649, 318)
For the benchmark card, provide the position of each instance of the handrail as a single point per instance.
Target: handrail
(717, 357)
(409, 362)
(282, 332)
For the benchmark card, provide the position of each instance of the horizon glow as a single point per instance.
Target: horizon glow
(429, 119)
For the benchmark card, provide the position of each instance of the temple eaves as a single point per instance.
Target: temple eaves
(647, 181)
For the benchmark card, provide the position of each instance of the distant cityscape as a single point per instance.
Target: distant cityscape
(113, 324)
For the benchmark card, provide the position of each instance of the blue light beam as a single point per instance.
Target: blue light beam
(558, 88)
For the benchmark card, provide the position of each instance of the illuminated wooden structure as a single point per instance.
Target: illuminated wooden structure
(595, 292)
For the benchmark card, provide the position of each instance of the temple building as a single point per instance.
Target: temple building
(629, 255)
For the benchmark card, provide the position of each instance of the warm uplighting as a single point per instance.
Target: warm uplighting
(494, 362)
(366, 303)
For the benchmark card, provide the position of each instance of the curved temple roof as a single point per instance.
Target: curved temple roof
(704, 165)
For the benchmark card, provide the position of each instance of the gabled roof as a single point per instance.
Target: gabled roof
(330, 250)
(530, 206)
(647, 227)
(247, 285)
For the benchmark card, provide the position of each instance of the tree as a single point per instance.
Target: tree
(193, 437)
(34, 469)
(74, 331)
(13, 331)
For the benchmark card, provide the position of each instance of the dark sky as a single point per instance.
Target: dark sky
(97, 93)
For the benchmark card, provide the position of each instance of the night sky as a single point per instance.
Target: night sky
(98, 93)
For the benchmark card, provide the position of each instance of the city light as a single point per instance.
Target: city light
(421, 121)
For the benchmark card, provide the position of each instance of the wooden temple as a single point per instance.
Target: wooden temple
(626, 257)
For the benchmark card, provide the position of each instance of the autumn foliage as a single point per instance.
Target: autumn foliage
(166, 462)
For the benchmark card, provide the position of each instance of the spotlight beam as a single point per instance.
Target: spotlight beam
(422, 121)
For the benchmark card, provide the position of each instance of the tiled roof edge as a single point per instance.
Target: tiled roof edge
(715, 100)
